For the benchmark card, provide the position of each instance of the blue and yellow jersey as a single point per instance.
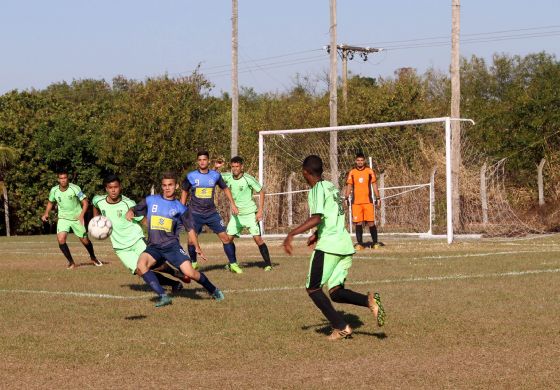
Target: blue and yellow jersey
(164, 218)
(201, 187)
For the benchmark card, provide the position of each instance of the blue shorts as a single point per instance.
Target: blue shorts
(174, 254)
(213, 221)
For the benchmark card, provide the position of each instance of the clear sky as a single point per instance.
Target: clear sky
(49, 41)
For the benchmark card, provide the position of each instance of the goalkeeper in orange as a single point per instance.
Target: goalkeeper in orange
(361, 184)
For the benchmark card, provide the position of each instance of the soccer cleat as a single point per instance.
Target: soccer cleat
(71, 265)
(338, 334)
(376, 246)
(268, 268)
(374, 301)
(96, 262)
(234, 268)
(358, 247)
(218, 295)
(164, 300)
(176, 287)
(194, 265)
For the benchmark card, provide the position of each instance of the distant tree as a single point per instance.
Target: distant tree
(8, 156)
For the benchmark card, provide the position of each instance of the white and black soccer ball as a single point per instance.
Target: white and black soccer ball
(100, 227)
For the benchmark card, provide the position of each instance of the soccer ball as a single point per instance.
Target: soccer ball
(100, 227)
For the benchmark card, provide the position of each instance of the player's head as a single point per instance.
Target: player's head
(236, 164)
(202, 159)
(62, 176)
(360, 160)
(312, 169)
(112, 185)
(169, 184)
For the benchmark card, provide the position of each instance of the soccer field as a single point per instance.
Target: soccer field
(475, 314)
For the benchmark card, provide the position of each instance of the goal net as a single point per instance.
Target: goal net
(411, 160)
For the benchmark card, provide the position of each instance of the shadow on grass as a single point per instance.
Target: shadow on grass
(90, 264)
(186, 292)
(351, 319)
(136, 318)
(214, 267)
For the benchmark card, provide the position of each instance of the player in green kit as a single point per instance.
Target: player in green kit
(332, 257)
(72, 206)
(127, 237)
(242, 186)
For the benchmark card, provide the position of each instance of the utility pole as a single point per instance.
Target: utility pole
(455, 111)
(333, 152)
(347, 52)
(234, 81)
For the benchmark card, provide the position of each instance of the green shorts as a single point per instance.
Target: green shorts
(67, 225)
(238, 222)
(327, 268)
(129, 256)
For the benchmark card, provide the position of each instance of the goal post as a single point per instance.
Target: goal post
(279, 160)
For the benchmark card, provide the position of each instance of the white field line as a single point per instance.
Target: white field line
(374, 256)
(290, 288)
(76, 294)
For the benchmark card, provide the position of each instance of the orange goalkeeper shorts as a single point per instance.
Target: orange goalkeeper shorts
(363, 213)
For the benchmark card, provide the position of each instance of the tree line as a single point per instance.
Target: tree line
(138, 129)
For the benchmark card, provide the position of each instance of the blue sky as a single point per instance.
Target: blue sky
(50, 41)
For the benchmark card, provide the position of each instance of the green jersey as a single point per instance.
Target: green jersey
(69, 201)
(242, 191)
(324, 200)
(125, 233)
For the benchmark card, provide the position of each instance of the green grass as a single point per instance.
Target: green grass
(474, 314)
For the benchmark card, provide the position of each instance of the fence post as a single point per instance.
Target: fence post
(540, 182)
(483, 194)
(432, 199)
(290, 199)
(382, 196)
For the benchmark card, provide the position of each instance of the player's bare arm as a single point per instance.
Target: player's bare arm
(261, 206)
(184, 195)
(85, 205)
(311, 222)
(234, 209)
(95, 212)
(193, 240)
(377, 196)
(45, 217)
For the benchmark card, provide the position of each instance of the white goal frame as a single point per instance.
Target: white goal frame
(446, 121)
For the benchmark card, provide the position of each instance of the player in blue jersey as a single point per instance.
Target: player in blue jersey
(164, 215)
(198, 187)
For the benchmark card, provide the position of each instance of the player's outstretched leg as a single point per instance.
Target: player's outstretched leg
(145, 262)
(341, 329)
(372, 301)
(89, 246)
(61, 238)
(200, 278)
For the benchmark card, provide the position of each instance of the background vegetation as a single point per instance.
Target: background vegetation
(140, 129)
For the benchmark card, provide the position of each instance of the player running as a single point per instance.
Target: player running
(332, 257)
(360, 181)
(242, 186)
(199, 185)
(72, 206)
(164, 215)
(127, 237)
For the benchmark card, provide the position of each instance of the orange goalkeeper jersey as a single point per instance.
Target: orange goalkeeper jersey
(361, 181)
